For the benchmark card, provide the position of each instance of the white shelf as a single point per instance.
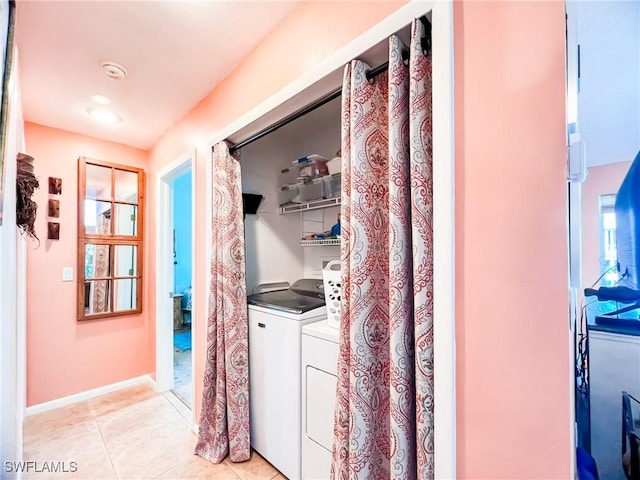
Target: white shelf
(320, 243)
(313, 205)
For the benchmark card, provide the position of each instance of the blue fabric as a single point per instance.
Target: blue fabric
(182, 341)
(586, 475)
(587, 469)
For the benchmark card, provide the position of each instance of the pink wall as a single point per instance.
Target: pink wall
(513, 374)
(511, 289)
(313, 32)
(511, 241)
(601, 180)
(65, 356)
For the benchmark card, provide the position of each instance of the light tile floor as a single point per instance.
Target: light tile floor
(182, 384)
(134, 433)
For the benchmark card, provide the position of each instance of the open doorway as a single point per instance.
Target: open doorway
(181, 214)
(174, 279)
(605, 253)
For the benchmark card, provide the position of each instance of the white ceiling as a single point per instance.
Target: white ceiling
(609, 98)
(174, 53)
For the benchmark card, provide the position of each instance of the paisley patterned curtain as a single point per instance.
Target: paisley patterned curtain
(224, 421)
(384, 408)
(102, 263)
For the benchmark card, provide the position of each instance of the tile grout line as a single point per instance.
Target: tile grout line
(176, 408)
(104, 445)
(229, 464)
(100, 419)
(249, 475)
(163, 395)
(120, 410)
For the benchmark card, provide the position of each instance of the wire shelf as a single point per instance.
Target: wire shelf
(313, 205)
(320, 243)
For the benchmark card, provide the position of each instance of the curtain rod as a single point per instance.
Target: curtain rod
(332, 95)
(288, 119)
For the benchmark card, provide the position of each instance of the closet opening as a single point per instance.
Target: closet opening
(304, 119)
(182, 213)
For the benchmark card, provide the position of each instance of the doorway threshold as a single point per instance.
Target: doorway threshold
(180, 405)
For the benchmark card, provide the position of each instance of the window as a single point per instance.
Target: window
(608, 252)
(110, 239)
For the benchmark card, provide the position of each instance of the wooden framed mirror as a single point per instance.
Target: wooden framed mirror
(110, 239)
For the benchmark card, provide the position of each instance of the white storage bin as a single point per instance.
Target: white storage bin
(332, 185)
(287, 194)
(335, 165)
(288, 175)
(309, 191)
(332, 283)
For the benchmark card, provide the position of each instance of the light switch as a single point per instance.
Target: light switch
(67, 274)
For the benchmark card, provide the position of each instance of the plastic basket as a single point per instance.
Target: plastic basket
(334, 165)
(332, 282)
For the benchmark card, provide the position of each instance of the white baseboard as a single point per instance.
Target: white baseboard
(79, 397)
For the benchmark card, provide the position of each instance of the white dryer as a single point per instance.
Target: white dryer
(319, 379)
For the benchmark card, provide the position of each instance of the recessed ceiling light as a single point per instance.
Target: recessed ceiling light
(105, 116)
(114, 70)
(100, 99)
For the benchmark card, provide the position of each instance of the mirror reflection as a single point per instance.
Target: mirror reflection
(126, 219)
(126, 186)
(97, 217)
(98, 183)
(124, 294)
(97, 296)
(125, 260)
(97, 261)
(109, 239)
(99, 279)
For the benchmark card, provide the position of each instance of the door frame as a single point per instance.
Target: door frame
(324, 77)
(576, 175)
(13, 294)
(164, 268)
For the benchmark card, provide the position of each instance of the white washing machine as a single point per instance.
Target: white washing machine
(276, 320)
(319, 379)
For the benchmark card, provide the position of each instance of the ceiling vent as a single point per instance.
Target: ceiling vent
(113, 70)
